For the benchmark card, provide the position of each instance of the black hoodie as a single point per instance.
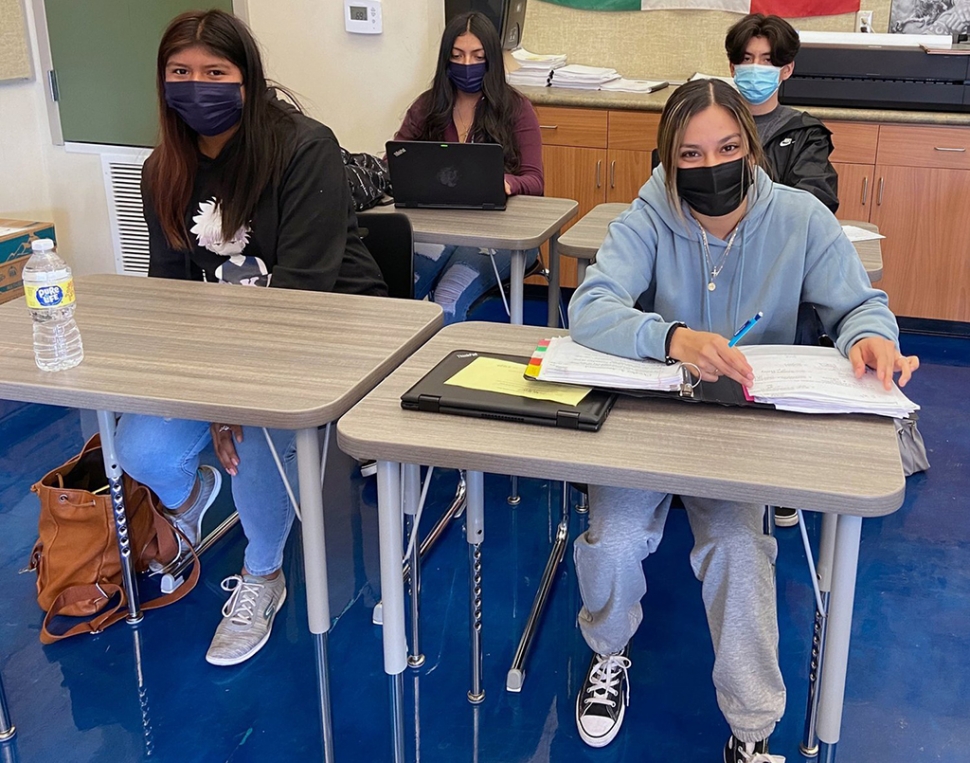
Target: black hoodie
(302, 235)
(797, 148)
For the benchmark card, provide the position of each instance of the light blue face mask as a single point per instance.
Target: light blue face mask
(756, 82)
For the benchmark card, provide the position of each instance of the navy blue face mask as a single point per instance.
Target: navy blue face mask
(209, 108)
(467, 77)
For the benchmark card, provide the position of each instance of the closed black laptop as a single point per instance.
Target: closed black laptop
(447, 175)
(433, 395)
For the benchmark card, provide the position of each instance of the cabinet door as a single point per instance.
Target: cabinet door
(856, 191)
(923, 215)
(627, 172)
(574, 173)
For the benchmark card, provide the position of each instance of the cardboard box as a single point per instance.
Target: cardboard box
(15, 239)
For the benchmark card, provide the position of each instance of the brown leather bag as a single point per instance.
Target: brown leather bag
(76, 555)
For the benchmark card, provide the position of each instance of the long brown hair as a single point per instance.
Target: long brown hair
(686, 102)
(498, 108)
(258, 146)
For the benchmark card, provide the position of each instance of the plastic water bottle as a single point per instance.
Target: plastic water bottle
(49, 288)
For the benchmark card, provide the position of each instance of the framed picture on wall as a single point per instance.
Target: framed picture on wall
(930, 17)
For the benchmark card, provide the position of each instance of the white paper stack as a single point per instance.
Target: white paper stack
(534, 68)
(571, 363)
(819, 380)
(855, 233)
(579, 77)
(624, 85)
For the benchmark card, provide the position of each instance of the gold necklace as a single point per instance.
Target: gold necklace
(716, 270)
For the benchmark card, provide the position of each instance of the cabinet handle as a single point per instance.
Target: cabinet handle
(865, 189)
(599, 168)
(548, 127)
(882, 184)
(953, 150)
(613, 174)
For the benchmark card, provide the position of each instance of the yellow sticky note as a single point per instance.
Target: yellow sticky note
(505, 377)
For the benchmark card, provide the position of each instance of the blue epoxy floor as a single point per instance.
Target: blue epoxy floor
(908, 696)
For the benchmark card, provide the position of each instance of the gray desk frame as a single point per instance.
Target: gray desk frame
(166, 348)
(526, 223)
(848, 466)
(584, 239)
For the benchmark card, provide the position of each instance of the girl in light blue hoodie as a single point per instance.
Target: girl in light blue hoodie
(709, 242)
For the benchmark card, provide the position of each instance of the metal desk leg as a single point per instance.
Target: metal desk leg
(581, 265)
(392, 594)
(514, 498)
(7, 729)
(474, 535)
(517, 288)
(832, 694)
(106, 424)
(315, 566)
(823, 570)
(516, 674)
(552, 299)
(411, 476)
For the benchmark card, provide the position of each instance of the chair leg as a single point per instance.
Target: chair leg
(7, 729)
(516, 675)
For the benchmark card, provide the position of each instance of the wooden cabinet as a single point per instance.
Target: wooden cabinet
(594, 156)
(923, 214)
(854, 158)
(855, 190)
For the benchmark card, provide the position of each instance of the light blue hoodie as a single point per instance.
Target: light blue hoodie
(789, 249)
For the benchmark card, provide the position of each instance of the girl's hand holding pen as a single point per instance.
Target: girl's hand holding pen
(711, 354)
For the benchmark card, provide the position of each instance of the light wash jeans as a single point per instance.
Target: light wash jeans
(455, 276)
(733, 559)
(164, 454)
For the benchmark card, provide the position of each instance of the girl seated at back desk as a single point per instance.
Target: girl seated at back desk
(709, 242)
(470, 101)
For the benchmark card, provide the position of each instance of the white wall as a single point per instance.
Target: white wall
(358, 85)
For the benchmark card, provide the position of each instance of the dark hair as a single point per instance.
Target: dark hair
(781, 36)
(258, 146)
(496, 112)
(686, 102)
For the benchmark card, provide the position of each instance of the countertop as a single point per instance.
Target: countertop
(601, 99)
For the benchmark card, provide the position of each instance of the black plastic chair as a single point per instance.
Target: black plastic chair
(390, 240)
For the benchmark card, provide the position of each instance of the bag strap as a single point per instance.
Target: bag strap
(102, 620)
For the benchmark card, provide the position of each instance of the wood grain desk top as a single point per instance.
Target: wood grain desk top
(844, 464)
(585, 238)
(261, 357)
(527, 222)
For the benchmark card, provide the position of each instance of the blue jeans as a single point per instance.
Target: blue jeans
(455, 276)
(164, 454)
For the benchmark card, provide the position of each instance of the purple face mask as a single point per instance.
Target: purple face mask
(467, 77)
(209, 108)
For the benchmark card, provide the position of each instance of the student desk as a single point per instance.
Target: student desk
(526, 223)
(259, 357)
(584, 239)
(846, 465)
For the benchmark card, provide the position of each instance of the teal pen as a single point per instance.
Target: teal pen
(739, 334)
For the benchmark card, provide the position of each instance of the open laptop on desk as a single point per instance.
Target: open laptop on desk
(433, 175)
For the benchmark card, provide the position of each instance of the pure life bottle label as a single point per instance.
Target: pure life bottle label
(60, 293)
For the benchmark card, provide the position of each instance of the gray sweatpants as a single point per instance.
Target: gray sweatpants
(733, 559)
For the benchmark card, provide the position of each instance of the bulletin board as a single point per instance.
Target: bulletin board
(14, 52)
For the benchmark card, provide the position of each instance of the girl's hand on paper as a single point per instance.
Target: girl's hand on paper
(711, 354)
(224, 439)
(882, 356)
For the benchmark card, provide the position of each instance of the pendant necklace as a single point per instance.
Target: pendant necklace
(716, 269)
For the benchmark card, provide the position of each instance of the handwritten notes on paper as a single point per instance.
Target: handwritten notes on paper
(506, 377)
(819, 380)
(566, 361)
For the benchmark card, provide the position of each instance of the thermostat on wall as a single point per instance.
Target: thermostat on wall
(363, 16)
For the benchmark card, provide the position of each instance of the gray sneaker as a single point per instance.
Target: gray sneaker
(247, 618)
(190, 520)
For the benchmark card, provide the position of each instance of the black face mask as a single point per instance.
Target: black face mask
(715, 191)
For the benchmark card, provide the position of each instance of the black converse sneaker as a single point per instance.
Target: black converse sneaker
(603, 698)
(749, 752)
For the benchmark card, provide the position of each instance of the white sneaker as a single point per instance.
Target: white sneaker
(190, 520)
(603, 698)
(247, 618)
